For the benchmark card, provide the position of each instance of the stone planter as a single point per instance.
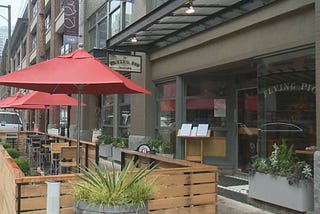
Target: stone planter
(82, 207)
(276, 190)
(105, 150)
(116, 154)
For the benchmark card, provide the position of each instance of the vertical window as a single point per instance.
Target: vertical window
(47, 22)
(166, 105)
(124, 114)
(128, 15)
(102, 26)
(115, 23)
(286, 91)
(107, 114)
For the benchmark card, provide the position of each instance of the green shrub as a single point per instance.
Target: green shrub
(14, 153)
(5, 145)
(120, 142)
(105, 139)
(283, 162)
(24, 165)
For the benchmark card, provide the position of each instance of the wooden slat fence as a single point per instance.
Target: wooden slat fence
(182, 187)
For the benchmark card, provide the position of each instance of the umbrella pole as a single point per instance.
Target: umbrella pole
(78, 129)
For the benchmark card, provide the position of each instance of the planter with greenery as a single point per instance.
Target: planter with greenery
(161, 146)
(282, 179)
(118, 143)
(22, 162)
(102, 191)
(105, 146)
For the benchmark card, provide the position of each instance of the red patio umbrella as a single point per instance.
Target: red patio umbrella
(37, 98)
(46, 99)
(6, 101)
(74, 73)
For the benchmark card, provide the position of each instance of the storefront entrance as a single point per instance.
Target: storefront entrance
(247, 127)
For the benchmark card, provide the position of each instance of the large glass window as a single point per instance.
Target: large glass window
(206, 102)
(108, 114)
(166, 105)
(286, 90)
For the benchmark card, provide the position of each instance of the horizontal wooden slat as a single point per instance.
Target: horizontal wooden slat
(180, 179)
(181, 201)
(41, 202)
(205, 209)
(33, 203)
(175, 191)
(33, 190)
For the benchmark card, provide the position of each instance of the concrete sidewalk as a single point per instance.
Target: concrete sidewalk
(229, 206)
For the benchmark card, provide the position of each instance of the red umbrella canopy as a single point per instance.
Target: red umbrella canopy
(42, 98)
(29, 107)
(6, 101)
(73, 73)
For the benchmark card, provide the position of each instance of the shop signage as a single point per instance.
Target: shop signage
(294, 86)
(125, 62)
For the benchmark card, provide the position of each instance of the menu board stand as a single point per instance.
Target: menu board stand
(187, 139)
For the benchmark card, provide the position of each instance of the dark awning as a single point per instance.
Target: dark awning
(169, 23)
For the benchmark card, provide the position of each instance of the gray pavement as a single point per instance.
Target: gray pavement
(229, 206)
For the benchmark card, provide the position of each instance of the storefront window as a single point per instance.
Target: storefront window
(166, 115)
(167, 104)
(206, 103)
(125, 114)
(286, 91)
(107, 114)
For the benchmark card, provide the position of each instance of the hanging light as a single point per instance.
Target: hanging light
(134, 39)
(189, 9)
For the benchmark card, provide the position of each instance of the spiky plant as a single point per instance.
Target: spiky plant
(130, 186)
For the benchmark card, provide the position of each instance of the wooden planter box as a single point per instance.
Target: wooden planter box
(276, 190)
(105, 150)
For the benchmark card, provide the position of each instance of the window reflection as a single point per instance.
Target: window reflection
(287, 100)
(108, 110)
(206, 103)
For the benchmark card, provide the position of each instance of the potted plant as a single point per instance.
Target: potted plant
(117, 144)
(161, 146)
(105, 145)
(282, 179)
(103, 191)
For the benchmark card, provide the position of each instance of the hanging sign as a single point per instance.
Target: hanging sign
(125, 62)
(71, 22)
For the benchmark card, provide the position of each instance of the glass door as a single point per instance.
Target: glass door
(247, 127)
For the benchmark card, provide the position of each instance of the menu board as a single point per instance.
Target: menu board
(202, 130)
(185, 129)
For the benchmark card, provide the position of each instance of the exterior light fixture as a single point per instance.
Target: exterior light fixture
(189, 9)
(134, 39)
